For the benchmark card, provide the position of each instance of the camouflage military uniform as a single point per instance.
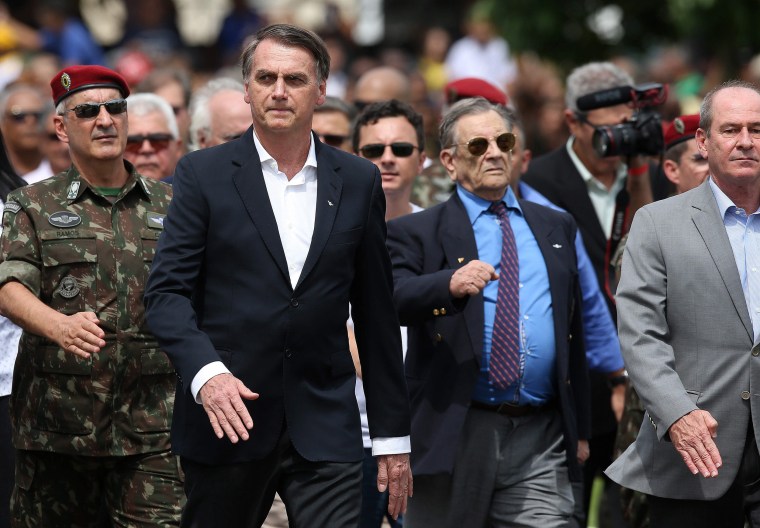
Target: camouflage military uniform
(432, 186)
(79, 250)
(634, 503)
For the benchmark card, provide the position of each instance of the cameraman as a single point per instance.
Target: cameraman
(595, 190)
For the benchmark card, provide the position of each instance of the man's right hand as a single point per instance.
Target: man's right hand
(79, 334)
(471, 278)
(692, 436)
(222, 398)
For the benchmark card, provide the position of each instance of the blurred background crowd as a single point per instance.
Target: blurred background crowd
(526, 48)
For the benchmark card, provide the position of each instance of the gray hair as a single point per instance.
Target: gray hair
(142, 104)
(466, 107)
(12, 90)
(200, 115)
(705, 111)
(591, 78)
(291, 36)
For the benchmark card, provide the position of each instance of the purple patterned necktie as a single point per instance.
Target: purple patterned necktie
(504, 363)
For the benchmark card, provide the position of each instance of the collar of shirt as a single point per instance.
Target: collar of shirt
(588, 177)
(270, 163)
(476, 206)
(724, 202)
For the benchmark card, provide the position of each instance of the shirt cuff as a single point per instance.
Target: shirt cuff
(391, 445)
(206, 373)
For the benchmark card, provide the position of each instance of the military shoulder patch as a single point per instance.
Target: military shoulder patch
(155, 220)
(12, 207)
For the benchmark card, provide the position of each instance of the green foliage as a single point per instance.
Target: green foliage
(559, 30)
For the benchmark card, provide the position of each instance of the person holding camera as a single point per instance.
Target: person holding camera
(689, 326)
(601, 192)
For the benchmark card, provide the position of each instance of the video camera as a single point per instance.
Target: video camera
(642, 133)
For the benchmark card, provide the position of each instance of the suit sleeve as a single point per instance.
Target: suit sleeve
(175, 275)
(376, 327)
(417, 292)
(643, 326)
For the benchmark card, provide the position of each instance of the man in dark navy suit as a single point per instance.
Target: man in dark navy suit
(496, 368)
(268, 239)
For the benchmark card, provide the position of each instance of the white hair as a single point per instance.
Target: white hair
(142, 104)
(200, 115)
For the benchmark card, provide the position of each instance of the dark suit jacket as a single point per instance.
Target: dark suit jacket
(445, 345)
(220, 290)
(554, 175)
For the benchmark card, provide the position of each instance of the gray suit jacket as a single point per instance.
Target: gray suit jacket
(687, 340)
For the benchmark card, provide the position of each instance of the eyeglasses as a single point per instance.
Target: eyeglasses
(157, 142)
(376, 150)
(20, 116)
(88, 110)
(478, 146)
(334, 140)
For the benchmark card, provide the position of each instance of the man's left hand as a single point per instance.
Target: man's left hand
(395, 474)
(583, 451)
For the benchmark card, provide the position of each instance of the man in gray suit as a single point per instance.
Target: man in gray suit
(689, 323)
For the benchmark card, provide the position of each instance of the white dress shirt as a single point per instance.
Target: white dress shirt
(602, 199)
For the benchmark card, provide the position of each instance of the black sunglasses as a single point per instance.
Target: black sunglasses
(19, 116)
(158, 141)
(88, 110)
(478, 146)
(334, 140)
(375, 150)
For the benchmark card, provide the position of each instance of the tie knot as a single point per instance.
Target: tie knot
(499, 209)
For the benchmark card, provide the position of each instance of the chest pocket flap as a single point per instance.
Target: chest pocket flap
(68, 246)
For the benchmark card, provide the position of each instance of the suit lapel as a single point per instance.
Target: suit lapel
(329, 188)
(459, 248)
(577, 201)
(708, 221)
(249, 181)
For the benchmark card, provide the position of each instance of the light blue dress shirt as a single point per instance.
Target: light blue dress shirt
(744, 234)
(537, 347)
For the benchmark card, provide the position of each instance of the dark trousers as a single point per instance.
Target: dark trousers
(241, 494)
(7, 463)
(741, 502)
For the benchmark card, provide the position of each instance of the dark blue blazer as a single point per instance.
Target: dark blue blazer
(446, 334)
(220, 290)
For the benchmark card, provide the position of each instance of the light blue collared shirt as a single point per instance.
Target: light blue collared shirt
(744, 234)
(537, 350)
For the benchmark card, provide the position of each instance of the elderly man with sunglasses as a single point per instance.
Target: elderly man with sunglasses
(153, 144)
(488, 287)
(92, 396)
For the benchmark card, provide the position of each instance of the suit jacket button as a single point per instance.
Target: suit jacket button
(288, 352)
(745, 395)
(294, 303)
(436, 311)
(756, 351)
(438, 338)
(443, 311)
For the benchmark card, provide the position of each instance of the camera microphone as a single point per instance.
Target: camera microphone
(604, 98)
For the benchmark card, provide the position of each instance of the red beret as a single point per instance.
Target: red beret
(682, 128)
(473, 87)
(76, 78)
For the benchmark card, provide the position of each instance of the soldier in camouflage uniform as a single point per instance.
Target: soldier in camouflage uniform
(92, 395)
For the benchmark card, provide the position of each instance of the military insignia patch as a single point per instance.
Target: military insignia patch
(68, 288)
(12, 207)
(679, 125)
(65, 219)
(156, 220)
(66, 81)
(73, 190)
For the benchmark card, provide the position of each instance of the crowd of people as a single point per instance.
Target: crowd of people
(412, 292)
